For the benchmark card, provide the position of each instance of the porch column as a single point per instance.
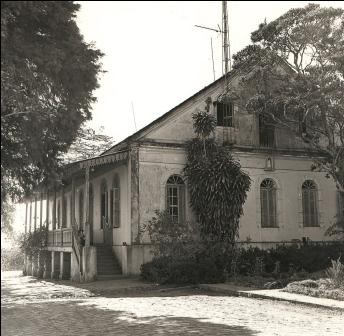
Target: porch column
(41, 211)
(35, 218)
(47, 266)
(61, 275)
(53, 215)
(55, 264)
(47, 211)
(72, 206)
(26, 214)
(86, 206)
(30, 220)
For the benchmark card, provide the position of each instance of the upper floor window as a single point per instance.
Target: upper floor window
(310, 204)
(103, 204)
(268, 204)
(266, 132)
(224, 113)
(175, 198)
(115, 202)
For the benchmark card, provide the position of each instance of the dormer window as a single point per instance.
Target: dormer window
(224, 113)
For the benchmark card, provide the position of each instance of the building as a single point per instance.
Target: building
(113, 195)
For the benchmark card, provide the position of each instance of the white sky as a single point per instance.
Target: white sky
(156, 57)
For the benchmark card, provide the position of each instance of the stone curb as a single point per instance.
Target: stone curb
(233, 292)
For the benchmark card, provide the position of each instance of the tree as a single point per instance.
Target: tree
(89, 143)
(48, 75)
(297, 81)
(217, 185)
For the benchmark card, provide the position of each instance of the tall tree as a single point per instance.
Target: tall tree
(298, 80)
(48, 75)
(89, 143)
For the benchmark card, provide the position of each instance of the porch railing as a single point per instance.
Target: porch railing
(60, 237)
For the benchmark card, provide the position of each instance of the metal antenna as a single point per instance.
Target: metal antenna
(225, 35)
(212, 56)
(132, 108)
(211, 44)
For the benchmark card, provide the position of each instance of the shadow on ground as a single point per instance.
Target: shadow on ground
(69, 318)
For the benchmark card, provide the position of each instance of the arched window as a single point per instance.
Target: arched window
(175, 198)
(268, 204)
(310, 203)
(81, 208)
(103, 204)
(115, 199)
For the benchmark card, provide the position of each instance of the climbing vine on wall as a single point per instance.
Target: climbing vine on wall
(218, 187)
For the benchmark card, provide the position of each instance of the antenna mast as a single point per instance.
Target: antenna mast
(225, 35)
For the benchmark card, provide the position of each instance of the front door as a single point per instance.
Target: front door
(105, 218)
(107, 230)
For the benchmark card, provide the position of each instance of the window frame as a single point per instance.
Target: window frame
(310, 204)
(268, 204)
(175, 189)
(104, 204)
(115, 202)
(225, 116)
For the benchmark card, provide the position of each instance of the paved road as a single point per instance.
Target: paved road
(31, 307)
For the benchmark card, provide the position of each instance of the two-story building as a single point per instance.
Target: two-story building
(113, 195)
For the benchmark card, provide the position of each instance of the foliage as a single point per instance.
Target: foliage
(204, 124)
(48, 74)
(319, 288)
(88, 143)
(11, 259)
(336, 273)
(336, 229)
(7, 215)
(34, 242)
(309, 258)
(297, 80)
(218, 189)
(180, 256)
(167, 237)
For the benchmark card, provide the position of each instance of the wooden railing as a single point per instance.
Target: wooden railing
(60, 237)
(67, 237)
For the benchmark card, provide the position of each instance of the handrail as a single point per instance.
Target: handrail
(76, 244)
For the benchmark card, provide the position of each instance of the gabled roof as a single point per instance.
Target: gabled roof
(245, 67)
(135, 136)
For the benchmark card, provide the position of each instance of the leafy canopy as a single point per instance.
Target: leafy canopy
(217, 185)
(48, 75)
(298, 80)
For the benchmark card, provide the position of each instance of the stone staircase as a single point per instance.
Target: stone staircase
(107, 264)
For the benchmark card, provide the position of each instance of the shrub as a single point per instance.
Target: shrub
(34, 242)
(336, 273)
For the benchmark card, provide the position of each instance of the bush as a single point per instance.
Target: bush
(11, 259)
(290, 259)
(336, 273)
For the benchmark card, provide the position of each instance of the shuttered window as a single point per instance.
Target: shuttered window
(175, 198)
(115, 203)
(266, 132)
(103, 205)
(310, 204)
(224, 113)
(268, 204)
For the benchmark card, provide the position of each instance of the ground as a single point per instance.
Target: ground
(37, 307)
